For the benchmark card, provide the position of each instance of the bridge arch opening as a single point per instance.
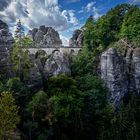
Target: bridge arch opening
(40, 53)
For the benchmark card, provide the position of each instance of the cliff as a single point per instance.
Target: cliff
(121, 74)
(77, 39)
(45, 37)
(6, 41)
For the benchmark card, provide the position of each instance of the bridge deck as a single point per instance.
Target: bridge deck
(51, 50)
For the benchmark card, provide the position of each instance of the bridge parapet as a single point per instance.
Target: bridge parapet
(49, 51)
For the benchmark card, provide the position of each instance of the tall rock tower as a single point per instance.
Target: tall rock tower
(6, 41)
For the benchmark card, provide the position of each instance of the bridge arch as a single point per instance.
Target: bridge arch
(40, 53)
(56, 50)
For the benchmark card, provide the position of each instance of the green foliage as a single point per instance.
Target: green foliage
(131, 24)
(90, 34)
(95, 104)
(42, 56)
(22, 62)
(76, 107)
(23, 42)
(38, 105)
(8, 116)
(60, 107)
(66, 100)
(124, 122)
(82, 63)
(109, 25)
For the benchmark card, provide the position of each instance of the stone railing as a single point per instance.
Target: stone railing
(67, 50)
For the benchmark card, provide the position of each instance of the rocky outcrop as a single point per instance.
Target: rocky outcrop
(121, 74)
(5, 35)
(135, 71)
(6, 41)
(45, 37)
(3, 25)
(77, 39)
(34, 78)
(45, 66)
(57, 63)
(113, 72)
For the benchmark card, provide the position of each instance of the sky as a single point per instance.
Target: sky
(63, 15)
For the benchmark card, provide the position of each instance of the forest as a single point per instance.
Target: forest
(76, 106)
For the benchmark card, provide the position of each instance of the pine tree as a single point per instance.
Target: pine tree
(19, 31)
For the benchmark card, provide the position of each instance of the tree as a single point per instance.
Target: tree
(109, 25)
(38, 109)
(38, 106)
(19, 32)
(90, 34)
(82, 63)
(59, 108)
(22, 62)
(24, 42)
(65, 104)
(131, 24)
(8, 116)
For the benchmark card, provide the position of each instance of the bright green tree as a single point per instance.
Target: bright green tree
(65, 106)
(21, 62)
(91, 40)
(109, 25)
(8, 116)
(24, 43)
(131, 24)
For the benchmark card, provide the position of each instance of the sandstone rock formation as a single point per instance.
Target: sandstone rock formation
(45, 66)
(58, 63)
(77, 39)
(6, 41)
(45, 37)
(121, 74)
(34, 78)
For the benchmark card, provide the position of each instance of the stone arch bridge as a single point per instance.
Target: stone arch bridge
(63, 50)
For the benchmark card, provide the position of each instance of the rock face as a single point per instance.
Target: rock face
(6, 41)
(121, 74)
(135, 71)
(45, 66)
(77, 39)
(58, 63)
(45, 37)
(34, 78)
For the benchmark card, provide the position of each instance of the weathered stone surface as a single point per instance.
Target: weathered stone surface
(39, 37)
(77, 39)
(3, 25)
(130, 70)
(58, 63)
(121, 74)
(6, 41)
(45, 37)
(113, 72)
(34, 78)
(136, 68)
(46, 66)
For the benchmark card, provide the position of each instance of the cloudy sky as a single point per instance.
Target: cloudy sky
(64, 15)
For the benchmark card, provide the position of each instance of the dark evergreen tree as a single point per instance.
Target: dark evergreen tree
(19, 31)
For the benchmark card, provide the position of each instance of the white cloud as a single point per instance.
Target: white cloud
(72, 1)
(70, 16)
(135, 2)
(34, 13)
(91, 8)
(65, 40)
